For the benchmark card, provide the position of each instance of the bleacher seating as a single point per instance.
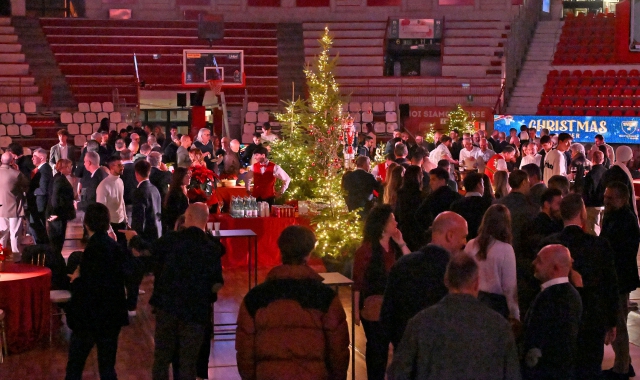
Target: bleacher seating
(96, 56)
(84, 122)
(586, 40)
(591, 93)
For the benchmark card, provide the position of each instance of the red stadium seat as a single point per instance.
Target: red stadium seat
(598, 73)
(562, 82)
(637, 93)
(576, 73)
(582, 92)
(627, 103)
(592, 103)
(570, 92)
(546, 102)
(593, 92)
(597, 83)
(615, 103)
(616, 92)
(556, 102)
(590, 113)
(604, 92)
(634, 82)
(621, 82)
(603, 103)
(554, 73)
(578, 112)
(587, 74)
(580, 102)
(603, 112)
(622, 73)
(616, 113)
(558, 92)
(637, 104)
(575, 82)
(566, 112)
(634, 73)
(610, 83)
(627, 92)
(568, 103)
(565, 73)
(542, 111)
(554, 112)
(629, 112)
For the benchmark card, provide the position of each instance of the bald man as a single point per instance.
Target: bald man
(422, 270)
(187, 276)
(552, 323)
(182, 154)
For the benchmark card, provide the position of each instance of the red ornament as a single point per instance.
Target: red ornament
(310, 178)
(313, 164)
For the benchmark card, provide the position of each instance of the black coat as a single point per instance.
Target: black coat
(620, 228)
(98, 298)
(38, 194)
(593, 194)
(472, 209)
(174, 206)
(415, 282)
(438, 201)
(61, 199)
(359, 186)
(130, 182)
(170, 153)
(161, 180)
(25, 165)
(405, 213)
(187, 265)
(593, 260)
(147, 212)
(552, 326)
(89, 186)
(616, 174)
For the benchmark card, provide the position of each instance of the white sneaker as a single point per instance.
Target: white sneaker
(132, 313)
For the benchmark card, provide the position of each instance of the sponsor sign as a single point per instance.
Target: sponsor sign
(616, 130)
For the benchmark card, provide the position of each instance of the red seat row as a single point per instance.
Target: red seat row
(581, 112)
(599, 103)
(594, 74)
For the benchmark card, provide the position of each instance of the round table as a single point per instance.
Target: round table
(24, 297)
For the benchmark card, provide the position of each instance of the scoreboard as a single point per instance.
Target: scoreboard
(414, 35)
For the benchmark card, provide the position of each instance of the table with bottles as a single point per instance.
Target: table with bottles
(245, 214)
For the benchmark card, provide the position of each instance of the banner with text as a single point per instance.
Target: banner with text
(616, 130)
(423, 119)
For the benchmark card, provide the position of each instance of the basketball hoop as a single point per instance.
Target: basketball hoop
(216, 85)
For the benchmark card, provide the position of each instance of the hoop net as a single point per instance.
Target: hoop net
(216, 85)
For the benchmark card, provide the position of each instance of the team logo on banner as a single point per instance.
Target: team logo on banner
(629, 126)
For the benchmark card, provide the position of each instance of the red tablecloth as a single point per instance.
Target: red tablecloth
(225, 193)
(268, 231)
(24, 297)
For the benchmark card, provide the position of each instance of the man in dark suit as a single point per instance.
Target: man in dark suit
(620, 228)
(593, 261)
(365, 148)
(128, 179)
(147, 205)
(90, 181)
(92, 146)
(593, 193)
(360, 185)
(171, 150)
(158, 177)
(401, 152)
(422, 270)
(473, 206)
(61, 206)
(438, 201)
(551, 325)
(38, 196)
(536, 186)
(245, 159)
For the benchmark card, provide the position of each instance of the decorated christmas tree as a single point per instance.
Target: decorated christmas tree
(311, 151)
(459, 120)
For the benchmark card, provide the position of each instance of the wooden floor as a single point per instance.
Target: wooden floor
(135, 349)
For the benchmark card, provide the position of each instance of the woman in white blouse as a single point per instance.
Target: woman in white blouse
(497, 262)
(531, 155)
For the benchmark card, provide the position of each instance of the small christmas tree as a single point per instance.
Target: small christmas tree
(459, 120)
(311, 152)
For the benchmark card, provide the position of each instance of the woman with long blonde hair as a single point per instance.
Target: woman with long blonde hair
(394, 181)
(501, 184)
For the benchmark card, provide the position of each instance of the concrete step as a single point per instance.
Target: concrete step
(468, 59)
(469, 41)
(479, 50)
(5, 21)
(466, 71)
(10, 98)
(317, 34)
(24, 81)
(17, 90)
(11, 58)
(14, 68)
(8, 38)
(7, 30)
(335, 26)
(353, 60)
(10, 48)
(358, 71)
(347, 42)
(527, 92)
(492, 33)
(345, 51)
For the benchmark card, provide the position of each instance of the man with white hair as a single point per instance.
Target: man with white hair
(469, 155)
(38, 196)
(13, 185)
(120, 145)
(89, 183)
(204, 143)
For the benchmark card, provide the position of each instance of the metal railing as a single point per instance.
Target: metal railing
(523, 28)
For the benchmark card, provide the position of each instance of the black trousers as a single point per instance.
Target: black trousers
(589, 354)
(176, 340)
(80, 345)
(57, 232)
(377, 349)
(38, 227)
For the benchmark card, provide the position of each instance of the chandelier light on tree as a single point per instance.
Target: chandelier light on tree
(313, 150)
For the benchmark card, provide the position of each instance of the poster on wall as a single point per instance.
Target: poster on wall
(416, 28)
(616, 130)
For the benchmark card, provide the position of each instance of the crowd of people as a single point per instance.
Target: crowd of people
(495, 258)
(137, 218)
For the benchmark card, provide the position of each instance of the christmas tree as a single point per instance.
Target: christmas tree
(459, 120)
(311, 152)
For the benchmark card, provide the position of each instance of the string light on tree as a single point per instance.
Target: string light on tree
(311, 152)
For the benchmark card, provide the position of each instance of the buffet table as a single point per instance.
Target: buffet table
(225, 193)
(24, 297)
(267, 229)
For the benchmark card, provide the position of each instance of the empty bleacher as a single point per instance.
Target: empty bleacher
(96, 56)
(586, 40)
(591, 93)
(16, 83)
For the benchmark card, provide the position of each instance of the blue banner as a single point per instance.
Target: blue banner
(616, 130)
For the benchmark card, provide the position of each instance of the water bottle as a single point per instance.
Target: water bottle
(232, 206)
(254, 208)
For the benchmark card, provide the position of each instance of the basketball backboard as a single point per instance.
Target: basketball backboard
(202, 65)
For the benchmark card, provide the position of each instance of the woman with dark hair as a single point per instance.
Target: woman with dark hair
(381, 246)
(488, 188)
(496, 261)
(393, 185)
(111, 141)
(410, 195)
(176, 201)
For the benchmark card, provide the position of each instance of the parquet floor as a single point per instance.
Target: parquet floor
(135, 348)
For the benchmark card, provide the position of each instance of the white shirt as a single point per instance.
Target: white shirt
(555, 281)
(269, 138)
(440, 153)
(110, 192)
(467, 154)
(526, 160)
(497, 272)
(278, 172)
(64, 150)
(554, 164)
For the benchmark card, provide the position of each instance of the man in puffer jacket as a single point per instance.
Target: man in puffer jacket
(292, 326)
